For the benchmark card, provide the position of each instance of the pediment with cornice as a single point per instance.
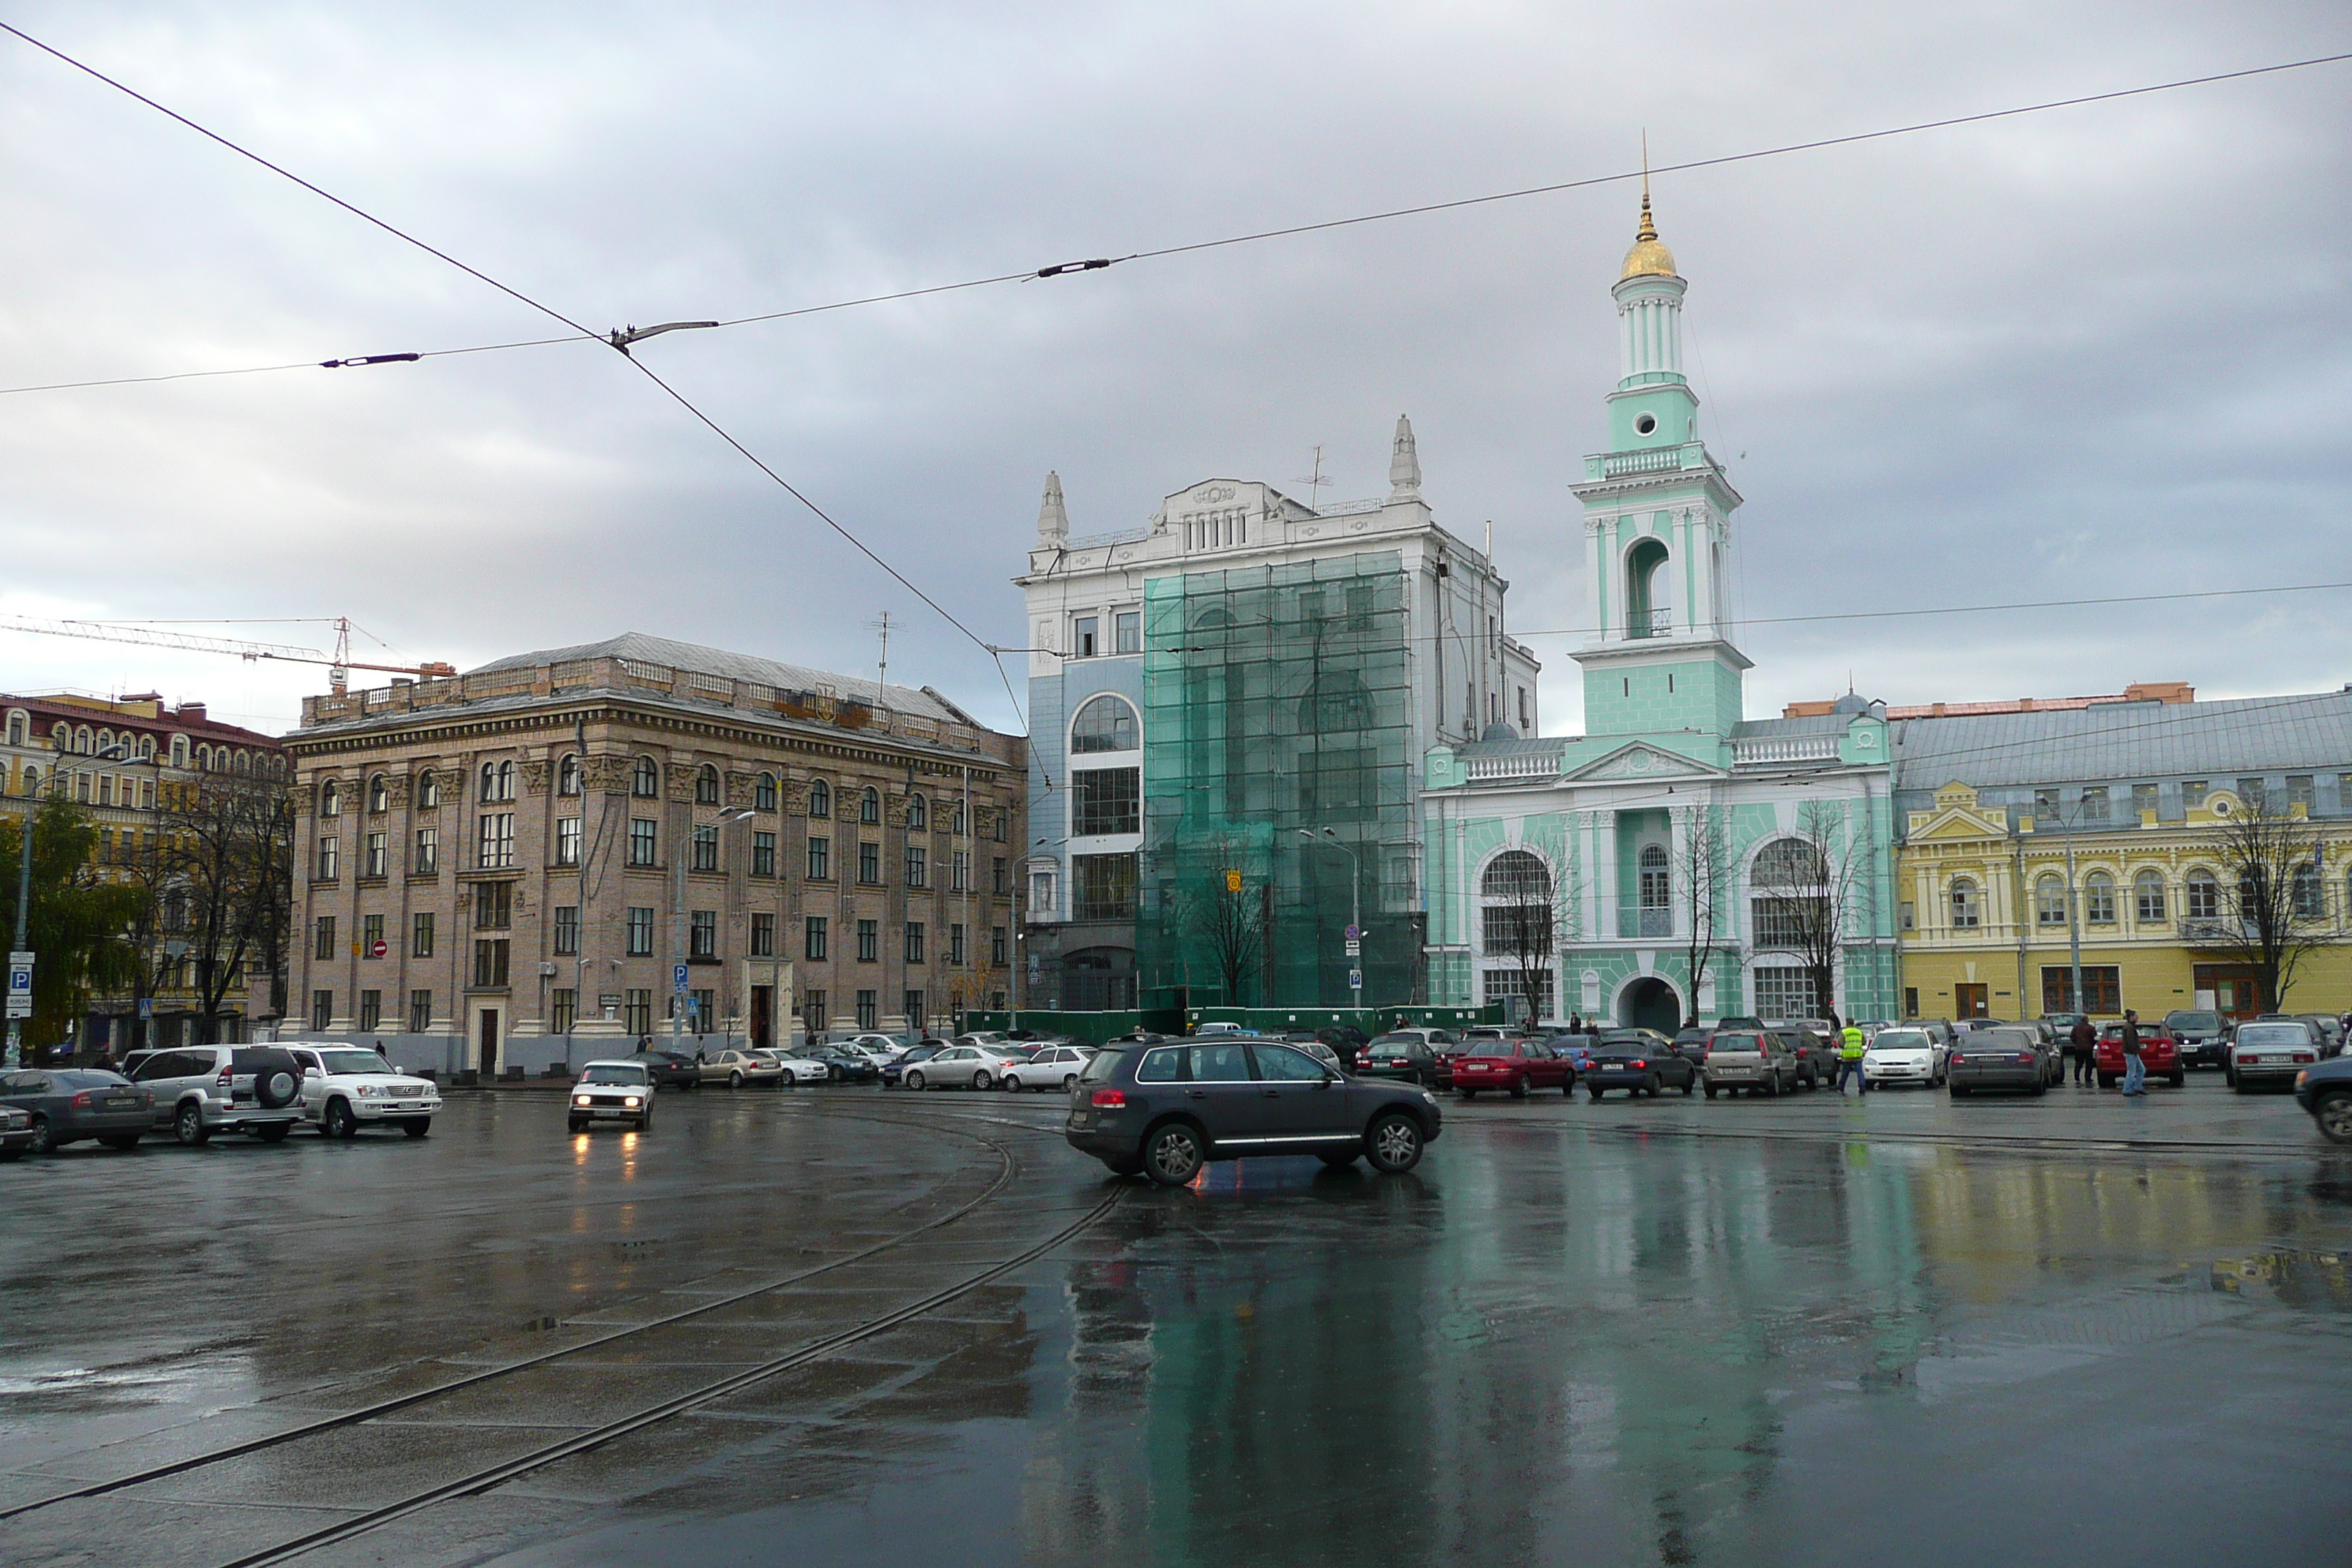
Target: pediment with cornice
(1640, 761)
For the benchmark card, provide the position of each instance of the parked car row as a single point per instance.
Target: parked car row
(194, 1093)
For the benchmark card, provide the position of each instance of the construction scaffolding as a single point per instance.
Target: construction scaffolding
(1278, 704)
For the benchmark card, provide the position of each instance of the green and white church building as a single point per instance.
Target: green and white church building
(1593, 874)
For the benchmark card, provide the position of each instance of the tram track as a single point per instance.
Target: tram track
(1008, 1170)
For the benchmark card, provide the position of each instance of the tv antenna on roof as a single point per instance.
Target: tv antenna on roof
(1315, 481)
(882, 681)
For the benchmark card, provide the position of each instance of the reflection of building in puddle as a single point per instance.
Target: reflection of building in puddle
(2292, 1276)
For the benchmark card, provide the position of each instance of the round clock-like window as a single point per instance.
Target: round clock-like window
(1644, 424)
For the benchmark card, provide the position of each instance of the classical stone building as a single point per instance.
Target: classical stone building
(503, 869)
(122, 759)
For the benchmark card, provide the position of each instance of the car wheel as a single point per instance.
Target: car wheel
(980, 1078)
(189, 1128)
(1689, 1084)
(1069, 1081)
(2334, 1114)
(646, 1122)
(914, 1078)
(44, 1142)
(2239, 1085)
(1710, 1092)
(577, 1125)
(1519, 1087)
(735, 1080)
(1011, 1084)
(2178, 1079)
(1651, 1086)
(275, 1133)
(418, 1128)
(121, 1140)
(1173, 1155)
(1393, 1143)
(339, 1121)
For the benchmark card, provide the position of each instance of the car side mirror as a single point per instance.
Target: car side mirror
(312, 1072)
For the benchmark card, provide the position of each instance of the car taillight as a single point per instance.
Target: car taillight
(2299, 1056)
(2025, 1056)
(1639, 1062)
(1109, 1099)
(226, 1079)
(81, 1101)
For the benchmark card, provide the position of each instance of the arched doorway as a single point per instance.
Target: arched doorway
(1650, 1004)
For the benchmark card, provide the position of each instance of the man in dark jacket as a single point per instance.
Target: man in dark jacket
(2135, 1072)
(2082, 1045)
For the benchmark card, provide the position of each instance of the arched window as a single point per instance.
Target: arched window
(244, 762)
(2253, 893)
(61, 736)
(820, 798)
(17, 723)
(2309, 903)
(331, 799)
(1968, 910)
(706, 785)
(2204, 896)
(32, 781)
(2049, 900)
(1646, 613)
(869, 807)
(428, 790)
(82, 740)
(1105, 724)
(105, 739)
(567, 775)
(1516, 874)
(763, 793)
(498, 782)
(1790, 863)
(1656, 885)
(1338, 705)
(918, 814)
(2099, 899)
(645, 783)
(379, 796)
(179, 751)
(2147, 897)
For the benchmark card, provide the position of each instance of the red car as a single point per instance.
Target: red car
(1513, 1066)
(2159, 1056)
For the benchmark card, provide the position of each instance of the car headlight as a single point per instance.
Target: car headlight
(368, 1091)
(630, 1101)
(580, 1100)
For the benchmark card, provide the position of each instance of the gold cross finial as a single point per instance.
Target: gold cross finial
(1649, 229)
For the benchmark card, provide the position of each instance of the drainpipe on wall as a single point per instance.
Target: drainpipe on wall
(2017, 912)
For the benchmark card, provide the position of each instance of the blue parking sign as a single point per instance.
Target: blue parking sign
(677, 978)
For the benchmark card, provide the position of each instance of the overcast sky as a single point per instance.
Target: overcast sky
(2097, 352)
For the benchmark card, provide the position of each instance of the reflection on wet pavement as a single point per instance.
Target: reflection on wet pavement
(1552, 1343)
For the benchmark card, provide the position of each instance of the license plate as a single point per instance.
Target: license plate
(613, 1110)
(120, 1102)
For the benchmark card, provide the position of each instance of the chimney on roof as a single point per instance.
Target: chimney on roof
(192, 712)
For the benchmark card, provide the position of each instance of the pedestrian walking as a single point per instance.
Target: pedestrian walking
(2135, 1071)
(1851, 1044)
(2082, 1045)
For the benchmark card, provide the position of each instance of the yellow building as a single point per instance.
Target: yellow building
(1987, 923)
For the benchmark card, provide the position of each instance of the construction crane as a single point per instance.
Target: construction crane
(340, 664)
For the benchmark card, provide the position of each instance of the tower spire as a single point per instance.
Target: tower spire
(1053, 521)
(1404, 464)
(1649, 229)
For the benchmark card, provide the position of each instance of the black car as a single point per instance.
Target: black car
(842, 1065)
(70, 1104)
(2203, 1037)
(674, 1068)
(1691, 1044)
(2325, 1091)
(1638, 1066)
(908, 1058)
(1818, 1059)
(1165, 1110)
(1407, 1059)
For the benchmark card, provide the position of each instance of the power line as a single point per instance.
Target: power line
(1099, 263)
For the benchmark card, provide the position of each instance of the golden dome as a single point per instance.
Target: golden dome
(1649, 258)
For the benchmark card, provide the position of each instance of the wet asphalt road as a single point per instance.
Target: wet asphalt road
(2072, 1330)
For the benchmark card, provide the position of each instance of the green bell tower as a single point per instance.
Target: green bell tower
(1657, 535)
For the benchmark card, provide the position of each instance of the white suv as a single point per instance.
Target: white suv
(203, 1089)
(346, 1088)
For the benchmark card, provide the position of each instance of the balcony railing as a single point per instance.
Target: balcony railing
(1650, 623)
(1513, 765)
(1637, 923)
(1770, 749)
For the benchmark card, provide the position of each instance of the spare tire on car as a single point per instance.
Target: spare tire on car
(276, 1076)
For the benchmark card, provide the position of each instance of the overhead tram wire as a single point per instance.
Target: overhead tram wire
(618, 340)
(1099, 263)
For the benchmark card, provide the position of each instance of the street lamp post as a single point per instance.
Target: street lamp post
(1330, 840)
(24, 887)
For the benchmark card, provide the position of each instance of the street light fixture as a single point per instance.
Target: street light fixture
(1330, 840)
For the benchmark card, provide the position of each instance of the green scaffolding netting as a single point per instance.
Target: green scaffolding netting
(1276, 700)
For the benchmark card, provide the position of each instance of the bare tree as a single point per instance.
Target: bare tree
(2273, 896)
(1523, 906)
(1229, 917)
(221, 876)
(1703, 868)
(1805, 887)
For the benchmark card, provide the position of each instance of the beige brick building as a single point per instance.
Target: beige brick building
(488, 869)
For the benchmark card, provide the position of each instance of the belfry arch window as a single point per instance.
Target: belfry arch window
(1105, 723)
(1648, 613)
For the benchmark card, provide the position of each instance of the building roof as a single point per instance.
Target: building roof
(923, 702)
(145, 714)
(2138, 692)
(2128, 739)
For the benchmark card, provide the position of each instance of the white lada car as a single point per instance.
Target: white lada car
(1897, 1055)
(346, 1088)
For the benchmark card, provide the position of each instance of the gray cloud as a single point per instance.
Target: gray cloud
(2097, 352)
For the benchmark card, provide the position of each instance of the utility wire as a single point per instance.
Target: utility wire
(1099, 263)
(522, 298)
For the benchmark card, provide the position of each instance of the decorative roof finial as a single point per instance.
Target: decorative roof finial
(1649, 258)
(1404, 464)
(1053, 521)
(1649, 229)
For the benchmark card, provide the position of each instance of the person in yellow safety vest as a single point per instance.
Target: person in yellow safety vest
(1850, 1049)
